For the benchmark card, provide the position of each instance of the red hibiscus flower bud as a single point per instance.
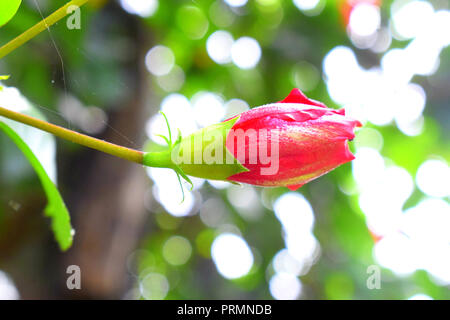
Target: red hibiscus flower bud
(304, 140)
(288, 143)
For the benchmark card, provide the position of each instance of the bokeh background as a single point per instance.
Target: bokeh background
(386, 62)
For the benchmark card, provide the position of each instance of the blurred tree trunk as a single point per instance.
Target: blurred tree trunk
(109, 201)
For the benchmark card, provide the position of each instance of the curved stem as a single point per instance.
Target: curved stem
(39, 27)
(85, 140)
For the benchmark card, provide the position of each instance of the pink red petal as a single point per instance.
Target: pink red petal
(296, 96)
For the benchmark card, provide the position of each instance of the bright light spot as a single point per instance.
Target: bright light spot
(234, 107)
(420, 241)
(229, 228)
(394, 187)
(8, 290)
(231, 255)
(246, 201)
(221, 15)
(340, 61)
(306, 5)
(303, 247)
(192, 21)
(433, 178)
(396, 66)
(245, 53)
(342, 73)
(219, 46)
(142, 8)
(409, 19)
(159, 60)
(362, 42)
(424, 52)
(179, 113)
(283, 262)
(377, 95)
(364, 19)
(41, 143)
(305, 76)
(213, 212)
(285, 286)
(368, 137)
(428, 221)
(208, 108)
(294, 212)
(420, 296)
(411, 103)
(242, 196)
(383, 41)
(168, 192)
(173, 81)
(297, 218)
(236, 3)
(367, 167)
(393, 184)
(383, 94)
(397, 253)
(91, 119)
(441, 21)
(436, 261)
(218, 184)
(175, 207)
(177, 250)
(154, 286)
(413, 128)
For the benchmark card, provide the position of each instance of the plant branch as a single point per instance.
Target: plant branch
(85, 140)
(39, 27)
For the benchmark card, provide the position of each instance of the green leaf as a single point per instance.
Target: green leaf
(55, 209)
(39, 148)
(8, 9)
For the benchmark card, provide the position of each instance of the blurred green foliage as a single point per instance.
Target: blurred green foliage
(92, 65)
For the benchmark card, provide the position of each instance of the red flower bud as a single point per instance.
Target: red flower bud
(288, 143)
(297, 140)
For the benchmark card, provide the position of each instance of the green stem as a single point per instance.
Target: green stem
(39, 27)
(94, 143)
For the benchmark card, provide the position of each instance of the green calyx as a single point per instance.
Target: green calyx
(202, 154)
(163, 159)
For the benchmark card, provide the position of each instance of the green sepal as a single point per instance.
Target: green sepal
(161, 159)
(186, 156)
(213, 143)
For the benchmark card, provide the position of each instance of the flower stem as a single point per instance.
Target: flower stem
(39, 27)
(94, 143)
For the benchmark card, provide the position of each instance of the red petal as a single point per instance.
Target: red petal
(295, 186)
(296, 96)
(341, 112)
